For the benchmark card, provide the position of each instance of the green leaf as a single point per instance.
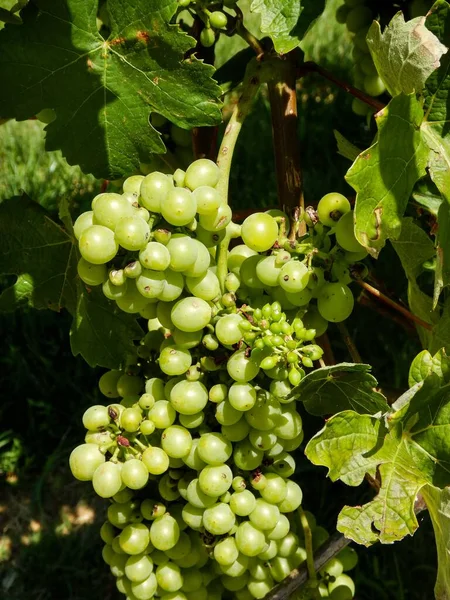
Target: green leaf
(101, 332)
(440, 334)
(41, 253)
(103, 90)
(332, 389)
(441, 365)
(287, 21)
(438, 504)
(405, 54)
(346, 148)
(442, 273)
(427, 195)
(385, 174)
(407, 451)
(420, 368)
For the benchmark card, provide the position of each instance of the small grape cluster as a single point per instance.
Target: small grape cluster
(358, 16)
(196, 456)
(214, 21)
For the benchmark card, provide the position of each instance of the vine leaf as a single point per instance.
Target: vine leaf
(333, 389)
(101, 334)
(405, 54)
(427, 195)
(438, 504)
(286, 21)
(407, 450)
(442, 271)
(345, 147)
(42, 255)
(384, 175)
(103, 90)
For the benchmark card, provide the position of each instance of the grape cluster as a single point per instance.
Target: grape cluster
(214, 19)
(358, 16)
(195, 450)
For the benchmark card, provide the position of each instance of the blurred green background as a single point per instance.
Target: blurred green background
(49, 543)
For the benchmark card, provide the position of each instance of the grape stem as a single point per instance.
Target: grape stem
(252, 82)
(283, 106)
(245, 34)
(404, 311)
(312, 575)
(352, 349)
(312, 67)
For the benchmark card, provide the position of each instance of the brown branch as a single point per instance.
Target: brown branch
(245, 34)
(404, 311)
(328, 356)
(283, 104)
(368, 301)
(352, 349)
(311, 67)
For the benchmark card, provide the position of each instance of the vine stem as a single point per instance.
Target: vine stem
(283, 106)
(353, 350)
(312, 575)
(251, 84)
(312, 67)
(404, 311)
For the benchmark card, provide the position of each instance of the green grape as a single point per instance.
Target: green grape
(207, 199)
(155, 387)
(202, 172)
(342, 588)
(214, 449)
(132, 185)
(188, 397)
(288, 545)
(91, 274)
(176, 441)
(268, 271)
(107, 532)
(202, 262)
(173, 286)
(246, 457)
(183, 252)
(293, 498)
(175, 361)
(193, 516)
(218, 519)
(120, 515)
(178, 207)
(258, 570)
(181, 549)
(129, 385)
(335, 302)
(275, 490)
(227, 414)
(150, 284)
(236, 432)
(242, 397)
(138, 567)
(236, 257)
(156, 460)
(206, 287)
(283, 464)
(315, 321)
(83, 222)
(154, 188)
(96, 417)
(358, 18)
(134, 474)
(191, 314)
(218, 19)
(374, 85)
(169, 577)
(341, 14)
(46, 115)
(210, 239)
(333, 568)
(196, 496)
(107, 480)
(248, 273)
(242, 503)
(228, 329)
(265, 414)
(218, 220)
(84, 461)
(130, 419)
(132, 233)
(123, 496)
(192, 421)
(280, 530)
(259, 232)
(97, 244)
(109, 209)
(187, 339)
(249, 539)
(331, 208)
(242, 368)
(117, 565)
(145, 590)
(289, 426)
(155, 256)
(360, 108)
(262, 440)
(114, 292)
(132, 301)
(293, 276)
(207, 37)
(215, 480)
(164, 532)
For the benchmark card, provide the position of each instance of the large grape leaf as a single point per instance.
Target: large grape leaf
(385, 174)
(103, 90)
(438, 504)
(100, 332)
(405, 54)
(42, 255)
(329, 390)
(286, 21)
(404, 452)
(425, 363)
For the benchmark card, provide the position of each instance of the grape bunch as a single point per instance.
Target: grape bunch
(358, 16)
(213, 18)
(195, 450)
